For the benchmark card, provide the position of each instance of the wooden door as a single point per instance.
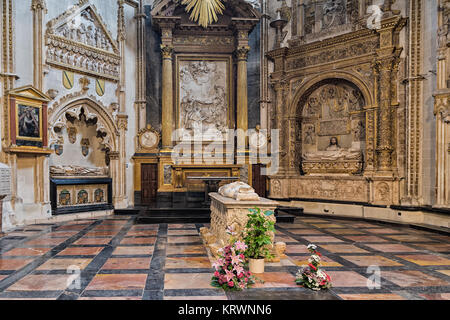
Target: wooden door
(149, 183)
(259, 181)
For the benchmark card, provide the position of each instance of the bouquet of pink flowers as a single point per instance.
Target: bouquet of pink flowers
(311, 276)
(230, 273)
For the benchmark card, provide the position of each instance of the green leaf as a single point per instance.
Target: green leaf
(269, 213)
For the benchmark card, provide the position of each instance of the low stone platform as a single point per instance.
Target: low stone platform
(228, 212)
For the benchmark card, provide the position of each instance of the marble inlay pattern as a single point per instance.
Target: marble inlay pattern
(119, 260)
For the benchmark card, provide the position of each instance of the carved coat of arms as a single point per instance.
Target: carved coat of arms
(85, 147)
(59, 149)
(72, 133)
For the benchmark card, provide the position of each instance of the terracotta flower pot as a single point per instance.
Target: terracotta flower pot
(256, 265)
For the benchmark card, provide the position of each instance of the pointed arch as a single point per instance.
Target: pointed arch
(106, 127)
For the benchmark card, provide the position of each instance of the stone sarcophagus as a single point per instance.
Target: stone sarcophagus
(228, 212)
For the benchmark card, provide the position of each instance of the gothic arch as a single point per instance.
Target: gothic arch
(106, 128)
(313, 83)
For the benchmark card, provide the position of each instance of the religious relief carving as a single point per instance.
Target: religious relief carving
(318, 188)
(334, 152)
(333, 129)
(204, 97)
(382, 192)
(334, 13)
(329, 17)
(79, 41)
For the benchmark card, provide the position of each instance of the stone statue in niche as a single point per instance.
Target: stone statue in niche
(359, 131)
(310, 134)
(333, 153)
(313, 107)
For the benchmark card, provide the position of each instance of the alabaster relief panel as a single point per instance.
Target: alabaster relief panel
(333, 129)
(79, 41)
(203, 97)
(320, 188)
(329, 17)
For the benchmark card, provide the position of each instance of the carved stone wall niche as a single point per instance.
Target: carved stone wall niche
(332, 128)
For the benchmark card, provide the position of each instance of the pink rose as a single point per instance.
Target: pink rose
(231, 284)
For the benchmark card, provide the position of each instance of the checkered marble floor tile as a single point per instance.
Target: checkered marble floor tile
(114, 258)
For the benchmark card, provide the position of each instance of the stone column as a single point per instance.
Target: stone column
(301, 19)
(121, 192)
(141, 103)
(38, 8)
(281, 124)
(167, 96)
(442, 111)
(242, 95)
(385, 139)
(121, 37)
(114, 157)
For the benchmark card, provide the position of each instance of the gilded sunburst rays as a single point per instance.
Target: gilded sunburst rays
(204, 12)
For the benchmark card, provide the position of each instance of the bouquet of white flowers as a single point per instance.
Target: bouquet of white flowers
(311, 276)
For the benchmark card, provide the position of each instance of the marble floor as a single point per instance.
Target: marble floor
(112, 258)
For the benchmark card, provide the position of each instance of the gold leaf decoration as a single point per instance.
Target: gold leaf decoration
(204, 12)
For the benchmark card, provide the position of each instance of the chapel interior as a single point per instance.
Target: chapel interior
(121, 119)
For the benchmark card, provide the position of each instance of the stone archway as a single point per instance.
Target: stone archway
(109, 134)
(330, 126)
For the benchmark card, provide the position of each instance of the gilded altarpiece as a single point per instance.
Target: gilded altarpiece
(334, 103)
(204, 91)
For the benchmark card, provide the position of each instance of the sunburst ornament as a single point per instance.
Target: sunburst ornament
(204, 12)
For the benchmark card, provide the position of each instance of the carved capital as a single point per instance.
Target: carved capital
(114, 155)
(167, 51)
(122, 122)
(242, 53)
(38, 5)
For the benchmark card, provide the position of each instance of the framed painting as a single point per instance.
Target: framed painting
(28, 120)
(28, 124)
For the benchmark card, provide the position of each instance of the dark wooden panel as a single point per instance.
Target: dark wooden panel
(149, 181)
(259, 181)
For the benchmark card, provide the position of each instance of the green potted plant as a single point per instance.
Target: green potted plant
(257, 236)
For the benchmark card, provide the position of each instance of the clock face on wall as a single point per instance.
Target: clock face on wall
(149, 140)
(258, 140)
